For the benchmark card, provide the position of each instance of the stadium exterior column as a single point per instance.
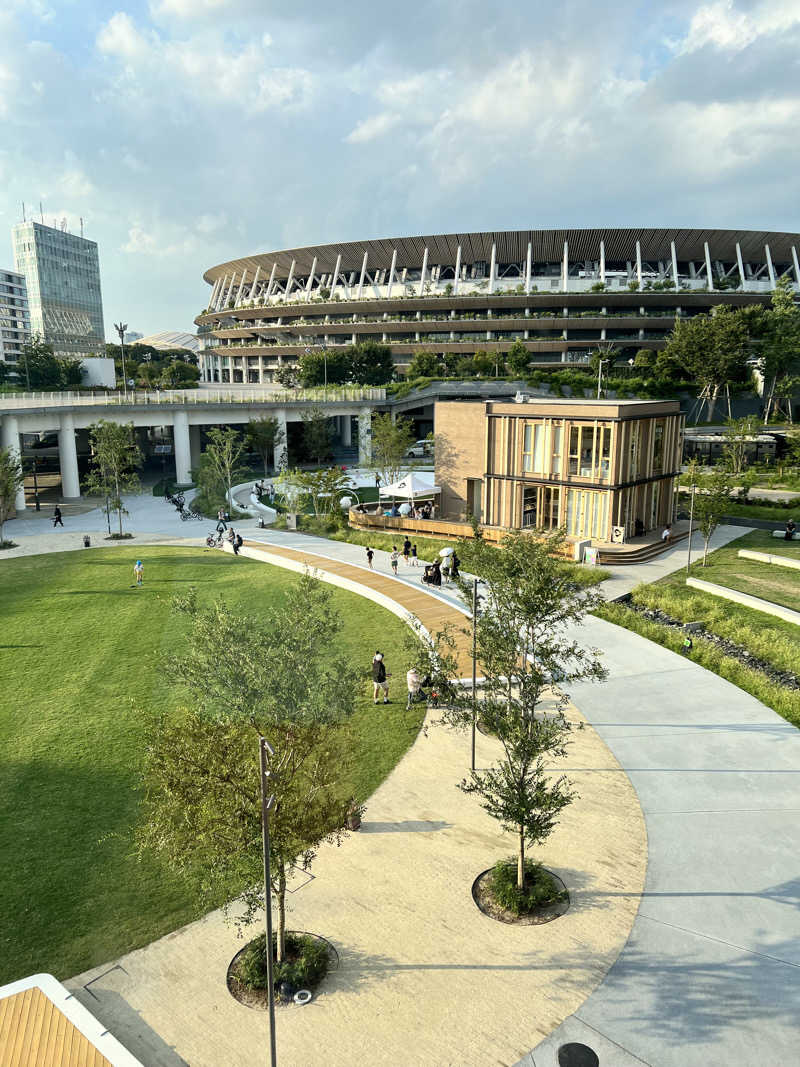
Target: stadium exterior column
(289, 280)
(458, 270)
(183, 454)
(492, 267)
(528, 270)
(770, 266)
(365, 436)
(221, 293)
(310, 281)
(422, 274)
(255, 282)
(240, 289)
(278, 450)
(565, 269)
(796, 266)
(603, 262)
(11, 442)
(68, 458)
(709, 275)
(270, 283)
(675, 284)
(335, 277)
(363, 275)
(740, 263)
(391, 272)
(639, 263)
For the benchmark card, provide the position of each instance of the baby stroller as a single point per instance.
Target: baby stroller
(431, 575)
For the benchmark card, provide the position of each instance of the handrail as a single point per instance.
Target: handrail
(138, 398)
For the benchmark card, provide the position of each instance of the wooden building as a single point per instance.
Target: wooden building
(601, 469)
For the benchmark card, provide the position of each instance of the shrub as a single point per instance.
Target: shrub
(540, 887)
(305, 966)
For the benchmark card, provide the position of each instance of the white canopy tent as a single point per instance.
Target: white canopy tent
(411, 487)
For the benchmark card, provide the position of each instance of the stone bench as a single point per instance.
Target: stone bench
(767, 557)
(782, 533)
(722, 591)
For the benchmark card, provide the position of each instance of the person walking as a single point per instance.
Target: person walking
(414, 685)
(380, 678)
(138, 572)
(406, 550)
(221, 520)
(57, 520)
(237, 544)
(370, 554)
(414, 560)
(436, 573)
(455, 563)
(393, 558)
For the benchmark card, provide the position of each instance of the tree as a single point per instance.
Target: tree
(645, 359)
(519, 358)
(324, 488)
(268, 675)
(780, 341)
(286, 376)
(316, 366)
(390, 442)
(523, 647)
(220, 463)
(711, 503)
(40, 368)
(710, 350)
(264, 436)
(737, 433)
(114, 459)
(424, 364)
(11, 479)
(371, 363)
(178, 373)
(316, 434)
(484, 363)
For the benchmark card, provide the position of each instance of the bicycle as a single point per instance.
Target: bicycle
(214, 540)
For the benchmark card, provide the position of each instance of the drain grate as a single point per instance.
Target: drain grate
(577, 1055)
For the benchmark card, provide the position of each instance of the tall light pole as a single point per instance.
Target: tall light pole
(265, 752)
(121, 327)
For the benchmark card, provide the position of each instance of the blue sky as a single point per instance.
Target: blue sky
(188, 132)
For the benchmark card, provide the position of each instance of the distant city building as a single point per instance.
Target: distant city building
(62, 272)
(131, 336)
(168, 339)
(14, 318)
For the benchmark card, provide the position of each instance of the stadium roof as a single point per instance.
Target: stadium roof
(170, 339)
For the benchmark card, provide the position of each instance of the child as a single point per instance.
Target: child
(370, 554)
(138, 570)
(687, 645)
(414, 562)
(394, 557)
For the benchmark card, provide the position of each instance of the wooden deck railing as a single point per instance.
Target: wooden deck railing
(442, 528)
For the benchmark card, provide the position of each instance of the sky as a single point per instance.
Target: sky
(189, 132)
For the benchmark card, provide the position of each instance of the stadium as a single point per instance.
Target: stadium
(562, 292)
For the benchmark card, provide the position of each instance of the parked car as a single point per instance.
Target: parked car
(420, 449)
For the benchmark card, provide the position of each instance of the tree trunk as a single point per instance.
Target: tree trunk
(521, 860)
(281, 899)
(705, 549)
(119, 501)
(711, 401)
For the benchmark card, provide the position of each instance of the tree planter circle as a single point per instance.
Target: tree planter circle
(257, 998)
(545, 914)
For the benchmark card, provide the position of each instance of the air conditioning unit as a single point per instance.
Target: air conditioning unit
(617, 535)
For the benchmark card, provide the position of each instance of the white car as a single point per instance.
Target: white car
(419, 449)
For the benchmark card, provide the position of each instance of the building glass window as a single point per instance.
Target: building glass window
(658, 448)
(527, 448)
(557, 434)
(529, 505)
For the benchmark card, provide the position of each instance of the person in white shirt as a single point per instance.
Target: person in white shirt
(665, 535)
(414, 683)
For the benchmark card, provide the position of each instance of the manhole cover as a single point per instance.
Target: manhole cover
(577, 1055)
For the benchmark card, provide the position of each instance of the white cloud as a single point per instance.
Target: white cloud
(121, 37)
(725, 26)
(373, 127)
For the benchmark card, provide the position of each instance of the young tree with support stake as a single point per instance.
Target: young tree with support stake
(11, 479)
(523, 647)
(390, 442)
(115, 457)
(251, 678)
(264, 436)
(220, 462)
(711, 503)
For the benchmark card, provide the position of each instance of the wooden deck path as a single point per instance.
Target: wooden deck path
(431, 611)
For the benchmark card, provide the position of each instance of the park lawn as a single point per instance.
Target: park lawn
(79, 653)
(780, 585)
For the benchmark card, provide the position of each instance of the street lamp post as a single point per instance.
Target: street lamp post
(121, 327)
(265, 753)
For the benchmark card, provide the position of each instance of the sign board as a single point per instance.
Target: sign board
(590, 556)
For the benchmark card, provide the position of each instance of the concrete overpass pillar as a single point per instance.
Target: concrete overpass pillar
(365, 437)
(280, 445)
(180, 439)
(194, 446)
(11, 442)
(68, 458)
(347, 431)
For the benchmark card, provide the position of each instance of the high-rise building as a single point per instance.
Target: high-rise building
(62, 272)
(14, 320)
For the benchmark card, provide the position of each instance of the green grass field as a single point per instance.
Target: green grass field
(79, 652)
